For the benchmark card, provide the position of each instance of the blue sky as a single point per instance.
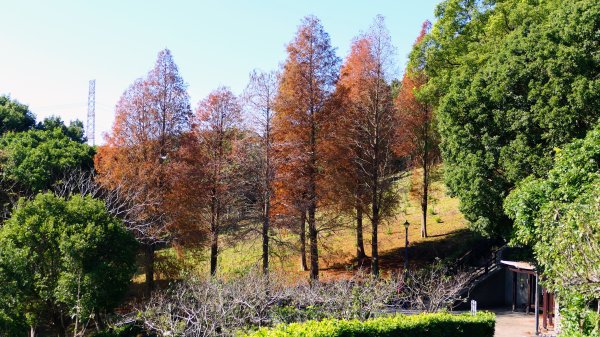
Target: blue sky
(51, 49)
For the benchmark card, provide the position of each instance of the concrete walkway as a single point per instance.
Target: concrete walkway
(515, 324)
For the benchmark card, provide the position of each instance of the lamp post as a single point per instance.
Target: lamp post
(406, 224)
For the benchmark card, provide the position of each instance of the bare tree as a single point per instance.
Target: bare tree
(213, 307)
(219, 118)
(126, 204)
(260, 99)
(369, 124)
(434, 288)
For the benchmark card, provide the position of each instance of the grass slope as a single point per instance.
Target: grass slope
(447, 229)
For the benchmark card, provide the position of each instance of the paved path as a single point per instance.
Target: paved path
(514, 324)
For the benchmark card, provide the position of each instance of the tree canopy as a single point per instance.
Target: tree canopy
(512, 80)
(35, 159)
(62, 258)
(559, 216)
(75, 129)
(14, 116)
(307, 81)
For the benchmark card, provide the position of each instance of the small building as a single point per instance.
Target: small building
(506, 284)
(526, 270)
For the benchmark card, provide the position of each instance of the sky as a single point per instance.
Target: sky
(51, 49)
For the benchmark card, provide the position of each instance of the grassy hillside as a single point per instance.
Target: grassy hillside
(447, 228)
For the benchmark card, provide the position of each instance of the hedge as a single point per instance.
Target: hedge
(422, 325)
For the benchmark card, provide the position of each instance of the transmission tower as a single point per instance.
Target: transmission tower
(91, 114)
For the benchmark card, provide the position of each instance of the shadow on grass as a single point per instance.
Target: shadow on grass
(451, 246)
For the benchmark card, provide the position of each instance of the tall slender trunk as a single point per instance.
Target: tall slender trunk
(424, 198)
(32, 331)
(59, 323)
(98, 318)
(214, 251)
(267, 210)
(265, 235)
(214, 231)
(375, 202)
(314, 251)
(375, 225)
(149, 249)
(360, 247)
(303, 263)
(312, 206)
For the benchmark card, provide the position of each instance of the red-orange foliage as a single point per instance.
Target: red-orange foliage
(308, 79)
(219, 118)
(417, 135)
(367, 128)
(140, 151)
(187, 193)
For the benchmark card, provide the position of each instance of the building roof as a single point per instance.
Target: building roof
(519, 265)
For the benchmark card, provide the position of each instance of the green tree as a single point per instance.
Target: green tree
(559, 216)
(62, 260)
(35, 159)
(14, 116)
(75, 129)
(511, 80)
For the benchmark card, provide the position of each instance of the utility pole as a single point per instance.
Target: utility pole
(91, 114)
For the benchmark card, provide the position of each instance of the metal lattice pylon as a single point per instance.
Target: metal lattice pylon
(91, 114)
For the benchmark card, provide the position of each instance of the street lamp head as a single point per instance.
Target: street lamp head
(406, 224)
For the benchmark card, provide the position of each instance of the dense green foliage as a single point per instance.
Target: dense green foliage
(75, 129)
(61, 258)
(511, 80)
(423, 325)
(35, 159)
(577, 319)
(560, 217)
(14, 116)
(130, 330)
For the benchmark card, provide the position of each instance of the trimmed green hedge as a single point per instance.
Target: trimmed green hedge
(422, 325)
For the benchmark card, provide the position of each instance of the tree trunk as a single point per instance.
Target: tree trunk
(61, 331)
(424, 198)
(214, 251)
(312, 235)
(265, 236)
(32, 331)
(303, 263)
(360, 247)
(312, 207)
(374, 248)
(214, 231)
(425, 164)
(98, 318)
(149, 267)
(375, 222)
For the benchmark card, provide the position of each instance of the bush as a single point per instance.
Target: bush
(61, 260)
(220, 307)
(130, 330)
(423, 325)
(577, 318)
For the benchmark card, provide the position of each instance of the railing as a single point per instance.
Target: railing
(490, 263)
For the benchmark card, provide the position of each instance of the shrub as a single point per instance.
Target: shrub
(578, 320)
(129, 330)
(64, 259)
(423, 325)
(219, 307)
